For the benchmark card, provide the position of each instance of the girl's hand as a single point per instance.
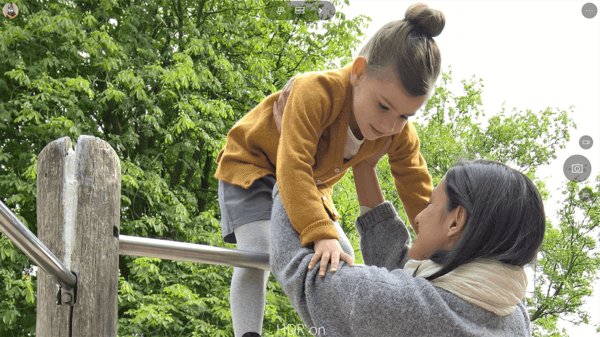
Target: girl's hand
(326, 248)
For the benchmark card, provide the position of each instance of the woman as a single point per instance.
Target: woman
(483, 223)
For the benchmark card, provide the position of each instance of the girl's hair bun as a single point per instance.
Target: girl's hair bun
(425, 19)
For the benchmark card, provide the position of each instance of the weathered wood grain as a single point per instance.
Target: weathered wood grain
(78, 212)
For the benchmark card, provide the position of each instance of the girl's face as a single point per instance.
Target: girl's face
(381, 107)
(438, 228)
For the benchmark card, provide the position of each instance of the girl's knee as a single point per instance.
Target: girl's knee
(251, 277)
(254, 236)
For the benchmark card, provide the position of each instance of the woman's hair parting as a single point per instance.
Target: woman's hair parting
(407, 46)
(505, 216)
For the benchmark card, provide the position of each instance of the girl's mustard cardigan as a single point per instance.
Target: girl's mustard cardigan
(307, 166)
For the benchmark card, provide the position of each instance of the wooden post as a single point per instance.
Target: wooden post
(78, 212)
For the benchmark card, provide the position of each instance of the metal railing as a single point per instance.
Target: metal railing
(31, 246)
(191, 252)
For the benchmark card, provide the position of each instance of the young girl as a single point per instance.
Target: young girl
(333, 120)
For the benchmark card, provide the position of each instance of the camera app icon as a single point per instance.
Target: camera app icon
(577, 168)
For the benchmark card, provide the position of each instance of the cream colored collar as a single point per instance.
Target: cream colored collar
(489, 284)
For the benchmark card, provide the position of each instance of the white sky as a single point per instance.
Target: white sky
(531, 55)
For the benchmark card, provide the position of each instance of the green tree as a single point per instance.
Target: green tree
(162, 81)
(569, 267)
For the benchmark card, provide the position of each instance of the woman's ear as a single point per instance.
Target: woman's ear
(459, 219)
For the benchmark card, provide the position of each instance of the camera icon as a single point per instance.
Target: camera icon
(577, 168)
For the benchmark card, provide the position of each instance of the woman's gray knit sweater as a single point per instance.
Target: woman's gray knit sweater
(380, 299)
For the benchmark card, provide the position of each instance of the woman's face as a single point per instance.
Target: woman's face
(438, 228)
(381, 107)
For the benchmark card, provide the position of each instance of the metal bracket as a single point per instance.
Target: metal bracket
(66, 297)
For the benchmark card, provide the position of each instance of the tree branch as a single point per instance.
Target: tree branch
(176, 174)
(196, 158)
(205, 178)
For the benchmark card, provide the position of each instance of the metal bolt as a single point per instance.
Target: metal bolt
(66, 298)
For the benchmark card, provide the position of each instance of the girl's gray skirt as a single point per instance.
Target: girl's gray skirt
(240, 206)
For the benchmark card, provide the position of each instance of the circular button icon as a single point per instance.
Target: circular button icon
(10, 10)
(586, 142)
(589, 10)
(577, 168)
(326, 11)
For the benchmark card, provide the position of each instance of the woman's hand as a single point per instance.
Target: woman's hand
(329, 248)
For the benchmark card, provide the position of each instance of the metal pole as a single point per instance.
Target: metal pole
(128, 245)
(31, 246)
(191, 252)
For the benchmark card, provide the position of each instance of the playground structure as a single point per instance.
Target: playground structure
(78, 244)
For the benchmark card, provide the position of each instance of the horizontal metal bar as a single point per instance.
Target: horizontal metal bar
(191, 252)
(31, 246)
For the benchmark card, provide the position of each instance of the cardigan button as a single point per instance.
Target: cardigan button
(324, 198)
(319, 182)
(337, 170)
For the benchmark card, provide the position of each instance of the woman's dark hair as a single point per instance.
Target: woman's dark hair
(407, 46)
(505, 216)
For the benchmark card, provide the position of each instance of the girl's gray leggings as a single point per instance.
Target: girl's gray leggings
(249, 286)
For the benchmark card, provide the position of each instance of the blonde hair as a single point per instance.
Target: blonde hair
(408, 47)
